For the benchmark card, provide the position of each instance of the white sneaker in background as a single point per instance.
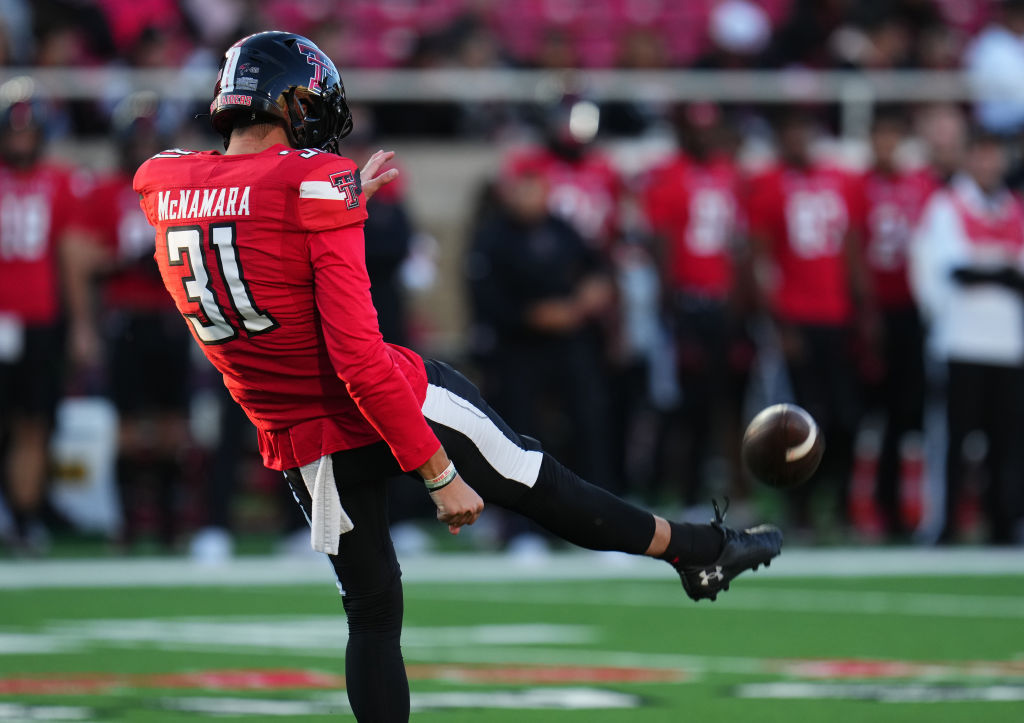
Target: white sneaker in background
(528, 549)
(410, 539)
(212, 546)
(297, 545)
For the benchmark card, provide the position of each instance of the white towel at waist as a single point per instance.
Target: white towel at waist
(329, 520)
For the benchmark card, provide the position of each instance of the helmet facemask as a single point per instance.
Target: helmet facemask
(315, 120)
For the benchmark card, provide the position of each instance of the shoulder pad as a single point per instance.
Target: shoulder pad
(331, 194)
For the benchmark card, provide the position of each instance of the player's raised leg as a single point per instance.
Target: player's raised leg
(512, 471)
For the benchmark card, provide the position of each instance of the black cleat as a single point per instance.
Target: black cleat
(741, 551)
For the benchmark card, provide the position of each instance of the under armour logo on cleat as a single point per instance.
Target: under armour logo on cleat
(706, 576)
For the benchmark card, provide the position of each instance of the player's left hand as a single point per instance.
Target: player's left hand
(371, 181)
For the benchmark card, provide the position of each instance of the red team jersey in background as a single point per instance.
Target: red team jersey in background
(585, 193)
(240, 240)
(36, 206)
(113, 216)
(695, 208)
(804, 215)
(893, 203)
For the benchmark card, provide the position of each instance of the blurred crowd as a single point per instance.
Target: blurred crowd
(631, 319)
(488, 33)
(634, 322)
(538, 34)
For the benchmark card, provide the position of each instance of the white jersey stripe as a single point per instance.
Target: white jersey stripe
(322, 190)
(508, 459)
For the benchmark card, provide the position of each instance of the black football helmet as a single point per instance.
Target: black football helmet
(136, 128)
(284, 76)
(23, 122)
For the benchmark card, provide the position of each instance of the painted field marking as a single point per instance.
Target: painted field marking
(18, 713)
(78, 684)
(864, 602)
(313, 635)
(734, 665)
(570, 698)
(488, 567)
(883, 693)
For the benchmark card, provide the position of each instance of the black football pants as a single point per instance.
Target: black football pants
(505, 469)
(988, 398)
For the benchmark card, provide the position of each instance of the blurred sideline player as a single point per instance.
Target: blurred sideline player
(894, 199)
(967, 270)
(38, 203)
(262, 250)
(693, 203)
(583, 190)
(539, 288)
(148, 365)
(804, 223)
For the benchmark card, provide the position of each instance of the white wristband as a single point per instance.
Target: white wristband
(442, 480)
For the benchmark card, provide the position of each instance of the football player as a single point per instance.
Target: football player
(261, 248)
(805, 218)
(967, 274)
(37, 204)
(583, 190)
(148, 350)
(693, 204)
(894, 198)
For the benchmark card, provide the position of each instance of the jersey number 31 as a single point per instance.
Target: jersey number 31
(215, 328)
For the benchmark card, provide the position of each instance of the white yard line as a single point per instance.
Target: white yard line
(863, 602)
(459, 567)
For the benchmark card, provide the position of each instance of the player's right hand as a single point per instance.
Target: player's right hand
(373, 182)
(458, 504)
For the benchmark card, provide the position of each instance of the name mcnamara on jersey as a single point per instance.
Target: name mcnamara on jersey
(202, 203)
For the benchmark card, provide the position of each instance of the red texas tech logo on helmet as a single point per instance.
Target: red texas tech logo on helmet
(320, 62)
(349, 185)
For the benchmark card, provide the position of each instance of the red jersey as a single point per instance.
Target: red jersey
(113, 217)
(695, 208)
(36, 205)
(893, 203)
(264, 256)
(804, 215)
(585, 193)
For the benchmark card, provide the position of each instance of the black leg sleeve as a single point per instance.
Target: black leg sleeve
(585, 514)
(370, 581)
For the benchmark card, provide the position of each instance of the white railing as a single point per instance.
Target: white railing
(855, 92)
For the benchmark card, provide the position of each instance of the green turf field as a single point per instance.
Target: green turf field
(784, 648)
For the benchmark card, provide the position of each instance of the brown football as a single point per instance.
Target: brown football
(782, 446)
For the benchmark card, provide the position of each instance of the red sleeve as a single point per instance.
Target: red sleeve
(358, 352)
(331, 196)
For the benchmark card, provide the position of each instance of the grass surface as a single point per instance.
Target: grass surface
(510, 651)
